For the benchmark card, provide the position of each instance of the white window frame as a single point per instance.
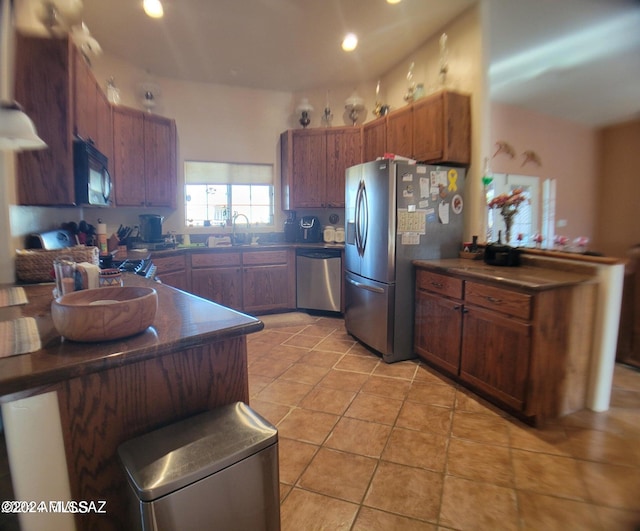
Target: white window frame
(228, 174)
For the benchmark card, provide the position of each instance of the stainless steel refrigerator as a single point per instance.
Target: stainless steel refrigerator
(395, 213)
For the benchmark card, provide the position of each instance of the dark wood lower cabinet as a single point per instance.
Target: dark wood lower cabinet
(495, 355)
(438, 330)
(101, 410)
(266, 288)
(526, 350)
(252, 281)
(221, 284)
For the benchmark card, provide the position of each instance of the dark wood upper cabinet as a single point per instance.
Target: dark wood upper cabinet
(144, 169)
(44, 87)
(57, 88)
(374, 139)
(313, 163)
(442, 128)
(400, 132)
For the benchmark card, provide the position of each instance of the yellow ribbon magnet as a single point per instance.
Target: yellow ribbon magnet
(453, 177)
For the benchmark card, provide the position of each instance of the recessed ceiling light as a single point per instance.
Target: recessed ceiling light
(153, 8)
(393, 1)
(350, 42)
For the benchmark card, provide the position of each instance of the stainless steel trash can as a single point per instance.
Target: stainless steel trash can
(217, 470)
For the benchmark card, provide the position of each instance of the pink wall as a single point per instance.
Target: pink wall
(569, 154)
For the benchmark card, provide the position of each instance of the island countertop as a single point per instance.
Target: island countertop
(529, 277)
(182, 321)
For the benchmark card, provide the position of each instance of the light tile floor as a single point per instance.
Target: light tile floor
(369, 446)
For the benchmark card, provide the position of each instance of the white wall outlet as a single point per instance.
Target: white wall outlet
(561, 223)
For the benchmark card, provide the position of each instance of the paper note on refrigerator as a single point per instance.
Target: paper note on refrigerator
(411, 221)
(443, 212)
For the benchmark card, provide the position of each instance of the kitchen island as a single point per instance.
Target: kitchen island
(533, 339)
(192, 359)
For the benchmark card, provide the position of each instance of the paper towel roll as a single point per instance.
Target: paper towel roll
(90, 275)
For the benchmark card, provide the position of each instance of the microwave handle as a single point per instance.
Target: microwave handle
(106, 185)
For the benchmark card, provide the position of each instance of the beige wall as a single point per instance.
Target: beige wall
(618, 188)
(466, 74)
(569, 154)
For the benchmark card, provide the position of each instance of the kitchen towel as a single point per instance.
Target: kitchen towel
(19, 336)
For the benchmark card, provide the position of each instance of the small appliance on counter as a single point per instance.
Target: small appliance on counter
(151, 228)
(310, 230)
(291, 227)
(498, 254)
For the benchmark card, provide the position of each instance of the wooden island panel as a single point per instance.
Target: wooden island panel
(102, 410)
(192, 359)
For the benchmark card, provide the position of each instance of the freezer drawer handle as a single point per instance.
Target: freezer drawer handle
(364, 286)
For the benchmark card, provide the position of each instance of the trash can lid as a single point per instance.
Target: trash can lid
(172, 457)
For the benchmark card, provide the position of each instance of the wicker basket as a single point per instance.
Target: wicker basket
(36, 265)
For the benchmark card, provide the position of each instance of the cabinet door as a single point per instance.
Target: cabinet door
(104, 138)
(159, 161)
(176, 279)
(442, 128)
(438, 324)
(128, 157)
(43, 88)
(344, 149)
(266, 288)
(84, 99)
(309, 164)
(400, 132)
(495, 355)
(428, 128)
(172, 270)
(374, 139)
(221, 284)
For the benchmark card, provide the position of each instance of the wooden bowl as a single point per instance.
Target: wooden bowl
(103, 314)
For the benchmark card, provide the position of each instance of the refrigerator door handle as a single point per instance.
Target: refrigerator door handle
(365, 207)
(357, 219)
(364, 286)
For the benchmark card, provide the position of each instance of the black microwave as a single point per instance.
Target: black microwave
(91, 174)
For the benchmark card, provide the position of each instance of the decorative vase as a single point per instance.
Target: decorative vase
(508, 223)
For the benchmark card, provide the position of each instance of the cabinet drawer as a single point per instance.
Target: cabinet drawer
(215, 259)
(437, 283)
(264, 257)
(169, 263)
(498, 299)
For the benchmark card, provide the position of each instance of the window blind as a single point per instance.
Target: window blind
(227, 173)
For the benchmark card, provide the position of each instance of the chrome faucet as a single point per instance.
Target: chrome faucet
(246, 236)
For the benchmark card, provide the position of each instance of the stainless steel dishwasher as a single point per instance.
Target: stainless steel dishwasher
(319, 279)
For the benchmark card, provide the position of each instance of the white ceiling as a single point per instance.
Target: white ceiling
(575, 59)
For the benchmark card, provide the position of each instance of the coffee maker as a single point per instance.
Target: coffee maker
(151, 228)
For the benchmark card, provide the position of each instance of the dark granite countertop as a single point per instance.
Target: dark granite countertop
(182, 321)
(271, 246)
(525, 276)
